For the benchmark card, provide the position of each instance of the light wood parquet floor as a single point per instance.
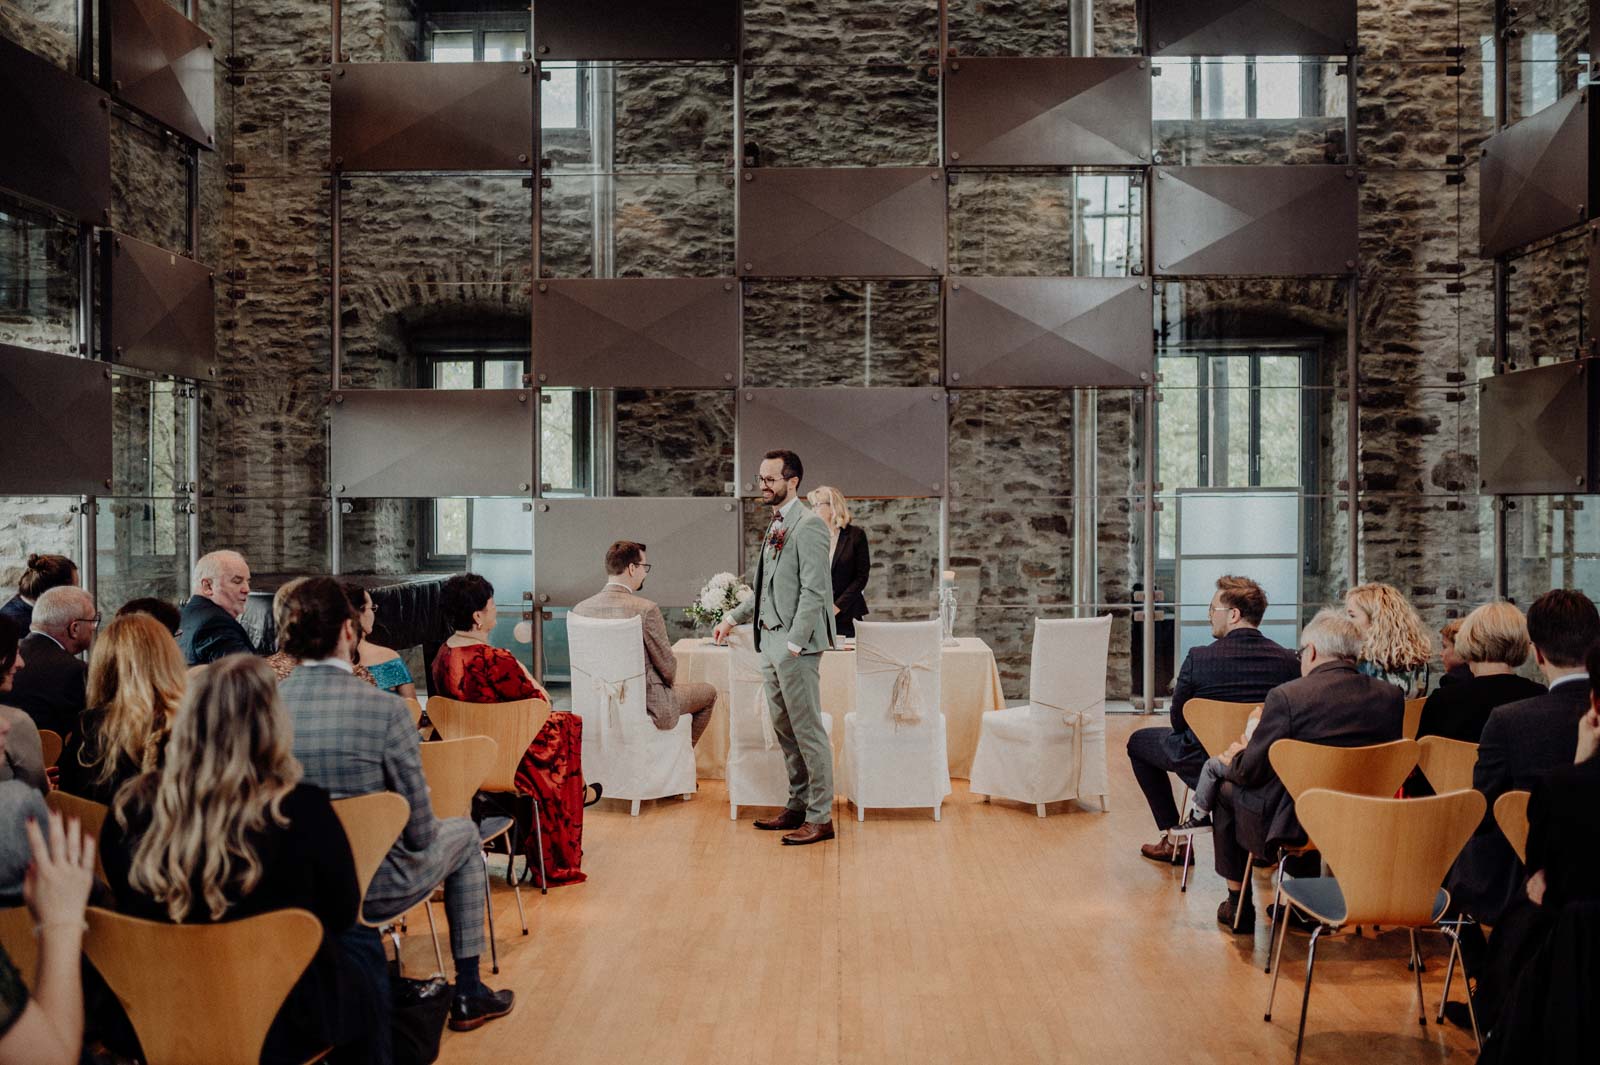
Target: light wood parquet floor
(990, 937)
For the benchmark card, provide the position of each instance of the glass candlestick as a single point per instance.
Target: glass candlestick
(947, 614)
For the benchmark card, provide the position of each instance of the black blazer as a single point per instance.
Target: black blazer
(207, 632)
(1334, 705)
(1460, 709)
(50, 685)
(1241, 667)
(1520, 743)
(851, 564)
(1560, 827)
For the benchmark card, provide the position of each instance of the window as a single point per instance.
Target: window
(1238, 87)
(1109, 225)
(495, 34)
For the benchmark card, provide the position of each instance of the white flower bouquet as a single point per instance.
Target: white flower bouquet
(721, 593)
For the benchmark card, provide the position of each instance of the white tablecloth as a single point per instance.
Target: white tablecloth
(969, 683)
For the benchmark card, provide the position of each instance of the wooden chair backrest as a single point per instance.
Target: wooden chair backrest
(371, 823)
(1376, 770)
(455, 770)
(91, 814)
(512, 726)
(415, 706)
(19, 942)
(1389, 855)
(1447, 763)
(202, 994)
(1216, 723)
(1413, 718)
(1511, 814)
(50, 745)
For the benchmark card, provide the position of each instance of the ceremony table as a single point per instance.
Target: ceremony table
(969, 685)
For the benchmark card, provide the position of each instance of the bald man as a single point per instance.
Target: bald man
(210, 625)
(49, 687)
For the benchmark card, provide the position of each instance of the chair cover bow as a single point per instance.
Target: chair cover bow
(1076, 720)
(609, 693)
(905, 699)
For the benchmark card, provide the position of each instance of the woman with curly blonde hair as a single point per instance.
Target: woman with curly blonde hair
(1395, 645)
(137, 676)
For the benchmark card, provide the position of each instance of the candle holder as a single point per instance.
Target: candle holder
(947, 615)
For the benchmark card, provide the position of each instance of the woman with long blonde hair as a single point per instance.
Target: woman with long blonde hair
(137, 675)
(1395, 645)
(849, 559)
(226, 830)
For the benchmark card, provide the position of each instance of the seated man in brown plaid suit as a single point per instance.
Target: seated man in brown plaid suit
(354, 739)
(664, 700)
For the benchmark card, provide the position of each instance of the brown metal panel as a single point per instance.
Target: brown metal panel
(636, 29)
(433, 116)
(870, 222)
(1538, 176)
(864, 441)
(1251, 27)
(161, 63)
(637, 333)
(1261, 221)
(1049, 332)
(424, 442)
(1538, 430)
(56, 129)
(1091, 111)
(159, 308)
(57, 416)
(688, 540)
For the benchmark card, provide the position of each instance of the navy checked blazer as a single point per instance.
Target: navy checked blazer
(354, 739)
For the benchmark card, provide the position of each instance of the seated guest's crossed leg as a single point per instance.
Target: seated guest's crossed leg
(1154, 752)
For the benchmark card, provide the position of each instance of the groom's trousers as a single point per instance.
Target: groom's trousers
(794, 698)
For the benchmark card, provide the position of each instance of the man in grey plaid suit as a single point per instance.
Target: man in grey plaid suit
(354, 739)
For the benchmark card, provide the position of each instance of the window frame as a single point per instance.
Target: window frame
(1311, 86)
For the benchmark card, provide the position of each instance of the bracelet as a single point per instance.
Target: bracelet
(82, 926)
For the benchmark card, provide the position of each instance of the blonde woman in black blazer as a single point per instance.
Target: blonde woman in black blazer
(847, 555)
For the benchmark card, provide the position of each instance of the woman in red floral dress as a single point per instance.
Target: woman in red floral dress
(469, 669)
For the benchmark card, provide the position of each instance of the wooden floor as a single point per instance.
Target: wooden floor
(992, 937)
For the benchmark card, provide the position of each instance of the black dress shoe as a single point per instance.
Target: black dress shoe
(784, 822)
(1247, 919)
(469, 1011)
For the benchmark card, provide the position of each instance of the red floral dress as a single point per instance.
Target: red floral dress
(551, 769)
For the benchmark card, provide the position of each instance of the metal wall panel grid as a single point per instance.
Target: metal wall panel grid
(1048, 332)
(636, 29)
(1538, 176)
(433, 116)
(1266, 221)
(1087, 111)
(1250, 27)
(687, 541)
(162, 64)
(431, 442)
(56, 128)
(878, 442)
(57, 413)
(1537, 430)
(636, 333)
(158, 308)
(837, 222)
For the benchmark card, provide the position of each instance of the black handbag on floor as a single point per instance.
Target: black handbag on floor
(418, 1012)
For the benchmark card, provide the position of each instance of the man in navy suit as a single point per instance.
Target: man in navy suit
(1240, 667)
(209, 627)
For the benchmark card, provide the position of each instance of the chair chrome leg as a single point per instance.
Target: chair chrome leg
(1275, 964)
(1246, 894)
(394, 937)
(1472, 1011)
(1188, 853)
(1416, 966)
(516, 889)
(1305, 999)
(1277, 903)
(488, 908)
(538, 845)
(433, 929)
(1449, 967)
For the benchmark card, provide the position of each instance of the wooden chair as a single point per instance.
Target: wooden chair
(1447, 763)
(20, 942)
(50, 744)
(1391, 856)
(1216, 724)
(371, 823)
(1413, 719)
(512, 726)
(1511, 814)
(1377, 771)
(202, 994)
(91, 814)
(415, 706)
(455, 771)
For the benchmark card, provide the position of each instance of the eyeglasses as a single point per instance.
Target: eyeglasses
(1219, 607)
(1301, 654)
(770, 481)
(643, 565)
(95, 620)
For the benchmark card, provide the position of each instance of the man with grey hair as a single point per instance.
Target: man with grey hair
(50, 685)
(1332, 703)
(209, 628)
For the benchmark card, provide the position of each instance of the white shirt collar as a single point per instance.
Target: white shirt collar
(336, 662)
(784, 511)
(1570, 676)
(619, 585)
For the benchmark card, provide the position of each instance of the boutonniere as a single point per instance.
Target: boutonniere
(776, 538)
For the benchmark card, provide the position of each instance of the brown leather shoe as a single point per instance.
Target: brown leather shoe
(783, 822)
(809, 833)
(1165, 851)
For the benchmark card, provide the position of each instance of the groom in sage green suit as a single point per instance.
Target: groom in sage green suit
(793, 614)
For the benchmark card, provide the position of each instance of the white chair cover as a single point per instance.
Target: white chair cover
(1055, 747)
(894, 741)
(755, 771)
(622, 748)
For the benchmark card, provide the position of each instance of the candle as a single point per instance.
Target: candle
(947, 579)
